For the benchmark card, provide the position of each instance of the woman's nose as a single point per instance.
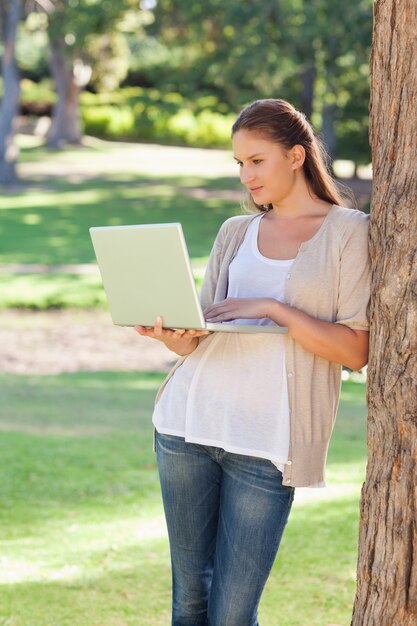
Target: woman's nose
(246, 175)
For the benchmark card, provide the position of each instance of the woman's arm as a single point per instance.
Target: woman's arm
(331, 341)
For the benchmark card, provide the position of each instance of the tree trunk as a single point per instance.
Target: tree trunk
(387, 563)
(10, 14)
(328, 130)
(65, 127)
(308, 76)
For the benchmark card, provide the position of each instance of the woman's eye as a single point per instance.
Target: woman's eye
(257, 161)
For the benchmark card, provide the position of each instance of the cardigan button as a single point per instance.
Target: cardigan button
(287, 482)
(289, 462)
(289, 374)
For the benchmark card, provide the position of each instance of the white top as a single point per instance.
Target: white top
(252, 417)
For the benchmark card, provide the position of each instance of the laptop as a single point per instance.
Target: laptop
(146, 272)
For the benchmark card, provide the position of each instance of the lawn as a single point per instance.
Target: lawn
(46, 219)
(83, 540)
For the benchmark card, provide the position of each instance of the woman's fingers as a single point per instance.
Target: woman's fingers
(198, 333)
(143, 330)
(158, 332)
(236, 308)
(222, 311)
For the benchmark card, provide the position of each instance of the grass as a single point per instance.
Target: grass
(46, 220)
(83, 540)
(52, 226)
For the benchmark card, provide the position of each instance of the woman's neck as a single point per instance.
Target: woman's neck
(300, 201)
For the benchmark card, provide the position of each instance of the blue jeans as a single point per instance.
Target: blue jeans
(225, 515)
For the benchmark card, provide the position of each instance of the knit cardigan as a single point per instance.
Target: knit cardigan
(329, 280)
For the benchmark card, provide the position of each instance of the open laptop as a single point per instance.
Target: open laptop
(146, 272)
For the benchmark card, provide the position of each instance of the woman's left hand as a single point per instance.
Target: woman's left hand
(238, 308)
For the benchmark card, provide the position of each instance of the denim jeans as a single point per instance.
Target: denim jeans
(225, 515)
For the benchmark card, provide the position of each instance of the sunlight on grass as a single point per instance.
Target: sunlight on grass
(46, 220)
(43, 291)
(83, 537)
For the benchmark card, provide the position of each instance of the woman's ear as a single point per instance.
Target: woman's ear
(297, 156)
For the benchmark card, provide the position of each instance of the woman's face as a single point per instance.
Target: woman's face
(267, 170)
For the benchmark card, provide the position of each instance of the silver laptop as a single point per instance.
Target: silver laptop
(146, 272)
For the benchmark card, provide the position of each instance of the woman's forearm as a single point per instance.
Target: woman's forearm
(334, 342)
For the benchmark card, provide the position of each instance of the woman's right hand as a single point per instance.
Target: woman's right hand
(178, 340)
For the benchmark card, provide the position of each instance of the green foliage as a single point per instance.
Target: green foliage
(83, 18)
(109, 59)
(83, 534)
(32, 47)
(37, 93)
(109, 121)
(242, 51)
(147, 114)
(230, 52)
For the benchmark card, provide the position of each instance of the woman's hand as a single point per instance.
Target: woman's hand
(181, 341)
(328, 340)
(238, 308)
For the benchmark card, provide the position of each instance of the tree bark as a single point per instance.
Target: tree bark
(387, 563)
(65, 126)
(10, 14)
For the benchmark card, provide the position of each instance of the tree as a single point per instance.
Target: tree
(331, 42)
(9, 15)
(306, 52)
(387, 564)
(71, 26)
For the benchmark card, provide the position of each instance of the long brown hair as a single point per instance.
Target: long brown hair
(280, 122)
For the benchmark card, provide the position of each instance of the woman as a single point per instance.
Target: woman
(243, 419)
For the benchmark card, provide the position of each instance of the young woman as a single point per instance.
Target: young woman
(243, 419)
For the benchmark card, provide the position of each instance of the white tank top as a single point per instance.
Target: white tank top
(231, 392)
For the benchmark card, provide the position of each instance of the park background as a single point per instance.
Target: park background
(153, 90)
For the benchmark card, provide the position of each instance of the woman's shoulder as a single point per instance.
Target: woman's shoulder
(236, 224)
(238, 220)
(348, 221)
(347, 214)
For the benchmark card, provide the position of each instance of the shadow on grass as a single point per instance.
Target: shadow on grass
(119, 586)
(128, 582)
(81, 441)
(74, 442)
(78, 470)
(52, 226)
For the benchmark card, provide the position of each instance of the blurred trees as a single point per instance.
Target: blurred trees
(315, 54)
(312, 53)
(9, 19)
(73, 27)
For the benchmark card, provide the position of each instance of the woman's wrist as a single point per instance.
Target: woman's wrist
(275, 311)
(183, 347)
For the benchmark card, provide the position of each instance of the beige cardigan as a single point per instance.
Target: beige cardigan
(328, 280)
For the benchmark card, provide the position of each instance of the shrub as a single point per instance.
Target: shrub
(212, 129)
(36, 98)
(147, 114)
(108, 121)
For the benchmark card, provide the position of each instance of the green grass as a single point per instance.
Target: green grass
(46, 220)
(52, 226)
(41, 292)
(82, 540)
